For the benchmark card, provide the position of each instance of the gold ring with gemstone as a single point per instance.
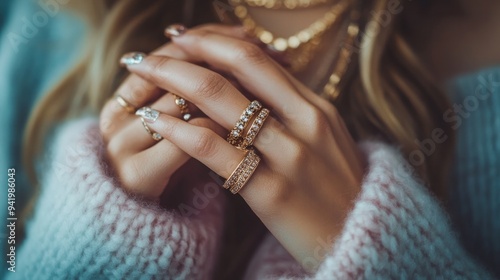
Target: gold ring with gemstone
(243, 172)
(235, 137)
(183, 106)
(125, 104)
(155, 135)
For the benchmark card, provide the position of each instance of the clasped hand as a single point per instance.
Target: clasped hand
(311, 169)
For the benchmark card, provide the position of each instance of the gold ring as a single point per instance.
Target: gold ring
(235, 137)
(125, 104)
(243, 172)
(183, 106)
(155, 135)
(254, 130)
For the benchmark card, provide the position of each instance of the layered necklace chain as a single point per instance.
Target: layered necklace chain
(286, 4)
(345, 60)
(299, 49)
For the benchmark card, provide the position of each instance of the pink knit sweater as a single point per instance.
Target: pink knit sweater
(86, 227)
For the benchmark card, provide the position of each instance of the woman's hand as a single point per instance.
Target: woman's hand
(131, 150)
(310, 171)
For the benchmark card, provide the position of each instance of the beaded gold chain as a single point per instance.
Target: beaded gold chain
(331, 90)
(286, 4)
(299, 47)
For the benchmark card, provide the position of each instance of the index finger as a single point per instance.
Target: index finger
(138, 92)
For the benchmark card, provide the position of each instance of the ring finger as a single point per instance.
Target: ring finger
(149, 171)
(201, 143)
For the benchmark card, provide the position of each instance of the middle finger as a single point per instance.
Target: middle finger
(209, 91)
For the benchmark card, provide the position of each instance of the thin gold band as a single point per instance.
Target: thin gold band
(254, 130)
(155, 135)
(125, 104)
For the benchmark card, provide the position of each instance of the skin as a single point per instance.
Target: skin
(311, 169)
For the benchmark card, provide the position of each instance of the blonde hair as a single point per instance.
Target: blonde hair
(393, 97)
(388, 95)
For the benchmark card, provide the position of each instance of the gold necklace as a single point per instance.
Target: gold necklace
(299, 47)
(285, 4)
(333, 87)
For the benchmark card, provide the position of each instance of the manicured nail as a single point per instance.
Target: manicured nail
(148, 114)
(175, 30)
(132, 58)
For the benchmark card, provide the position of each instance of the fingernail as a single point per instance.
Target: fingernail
(175, 30)
(148, 114)
(132, 58)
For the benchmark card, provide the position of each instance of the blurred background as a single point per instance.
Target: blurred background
(37, 44)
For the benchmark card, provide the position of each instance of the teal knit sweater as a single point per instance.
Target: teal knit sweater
(475, 188)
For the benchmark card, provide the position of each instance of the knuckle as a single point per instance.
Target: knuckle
(200, 34)
(278, 194)
(201, 122)
(107, 109)
(250, 53)
(106, 126)
(137, 94)
(105, 119)
(134, 91)
(168, 129)
(130, 93)
(205, 145)
(297, 154)
(129, 175)
(112, 111)
(114, 148)
(319, 124)
(211, 85)
(135, 179)
(158, 67)
(209, 124)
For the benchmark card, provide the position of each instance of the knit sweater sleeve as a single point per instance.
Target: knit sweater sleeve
(396, 230)
(86, 227)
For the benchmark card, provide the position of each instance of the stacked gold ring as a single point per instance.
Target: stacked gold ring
(242, 141)
(254, 129)
(235, 137)
(243, 172)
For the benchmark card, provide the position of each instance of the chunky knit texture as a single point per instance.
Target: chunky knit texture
(475, 188)
(396, 230)
(86, 227)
